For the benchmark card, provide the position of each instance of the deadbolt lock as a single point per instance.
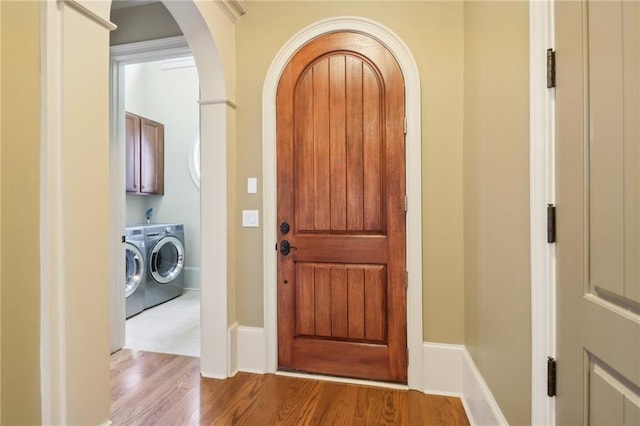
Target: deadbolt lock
(284, 228)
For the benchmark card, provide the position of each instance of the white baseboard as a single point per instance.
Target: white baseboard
(478, 401)
(449, 370)
(232, 367)
(252, 351)
(208, 375)
(192, 277)
(442, 369)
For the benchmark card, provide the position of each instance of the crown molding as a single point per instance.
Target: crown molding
(151, 50)
(88, 13)
(234, 9)
(227, 102)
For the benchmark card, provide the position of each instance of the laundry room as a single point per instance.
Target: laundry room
(162, 158)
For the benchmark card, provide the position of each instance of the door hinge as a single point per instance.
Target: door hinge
(406, 203)
(406, 279)
(405, 125)
(551, 68)
(407, 356)
(551, 223)
(551, 376)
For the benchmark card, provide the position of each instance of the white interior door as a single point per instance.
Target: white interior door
(598, 207)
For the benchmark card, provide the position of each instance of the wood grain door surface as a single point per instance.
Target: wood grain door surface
(132, 155)
(341, 190)
(151, 157)
(144, 145)
(598, 210)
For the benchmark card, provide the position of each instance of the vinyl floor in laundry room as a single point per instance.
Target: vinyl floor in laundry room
(161, 389)
(172, 327)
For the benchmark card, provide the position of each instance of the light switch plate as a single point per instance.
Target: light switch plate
(252, 185)
(250, 218)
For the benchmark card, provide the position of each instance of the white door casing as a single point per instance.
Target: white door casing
(413, 179)
(541, 193)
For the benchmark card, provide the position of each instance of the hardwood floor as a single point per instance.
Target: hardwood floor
(159, 389)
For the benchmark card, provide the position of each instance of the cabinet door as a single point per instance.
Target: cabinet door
(132, 147)
(152, 157)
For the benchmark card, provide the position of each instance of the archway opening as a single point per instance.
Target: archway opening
(213, 186)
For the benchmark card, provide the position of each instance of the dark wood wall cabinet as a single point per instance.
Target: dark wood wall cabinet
(144, 144)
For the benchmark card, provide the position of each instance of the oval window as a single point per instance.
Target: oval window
(194, 159)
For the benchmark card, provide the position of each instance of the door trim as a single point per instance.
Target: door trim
(413, 182)
(542, 184)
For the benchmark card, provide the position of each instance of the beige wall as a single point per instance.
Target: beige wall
(496, 201)
(433, 32)
(20, 215)
(224, 35)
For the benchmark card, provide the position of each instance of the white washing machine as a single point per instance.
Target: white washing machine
(165, 260)
(135, 270)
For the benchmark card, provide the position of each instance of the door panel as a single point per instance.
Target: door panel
(598, 188)
(341, 302)
(152, 157)
(132, 154)
(341, 186)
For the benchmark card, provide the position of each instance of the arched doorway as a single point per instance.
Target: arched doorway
(413, 178)
(74, 377)
(214, 110)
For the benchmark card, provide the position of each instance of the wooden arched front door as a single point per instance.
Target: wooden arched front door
(340, 117)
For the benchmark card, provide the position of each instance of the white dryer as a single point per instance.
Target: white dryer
(135, 270)
(165, 259)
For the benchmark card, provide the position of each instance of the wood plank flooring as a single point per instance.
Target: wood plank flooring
(158, 389)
